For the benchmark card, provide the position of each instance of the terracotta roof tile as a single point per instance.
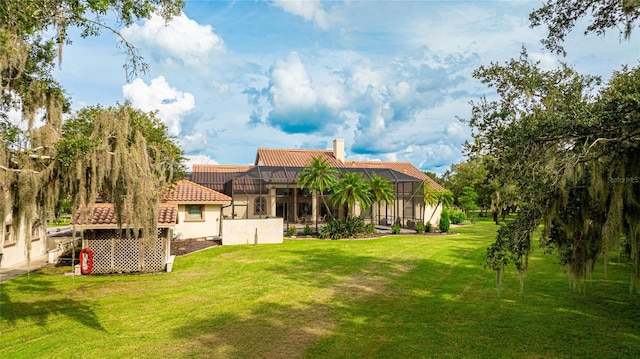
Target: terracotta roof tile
(221, 168)
(104, 214)
(167, 213)
(293, 157)
(187, 191)
(214, 176)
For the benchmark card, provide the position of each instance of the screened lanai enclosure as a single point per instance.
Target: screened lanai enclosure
(272, 191)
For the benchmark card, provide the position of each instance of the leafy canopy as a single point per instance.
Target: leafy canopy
(320, 176)
(352, 189)
(572, 151)
(561, 16)
(119, 153)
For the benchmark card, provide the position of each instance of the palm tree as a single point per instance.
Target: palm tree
(435, 198)
(351, 189)
(381, 190)
(319, 176)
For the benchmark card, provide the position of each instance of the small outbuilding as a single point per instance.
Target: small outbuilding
(118, 251)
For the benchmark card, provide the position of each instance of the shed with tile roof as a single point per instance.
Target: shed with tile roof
(123, 250)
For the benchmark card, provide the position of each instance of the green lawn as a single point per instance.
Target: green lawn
(392, 297)
(58, 222)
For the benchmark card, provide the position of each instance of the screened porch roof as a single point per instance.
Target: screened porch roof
(289, 175)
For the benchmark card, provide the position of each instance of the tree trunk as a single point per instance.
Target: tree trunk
(434, 212)
(324, 201)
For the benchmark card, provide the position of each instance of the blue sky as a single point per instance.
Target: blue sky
(388, 77)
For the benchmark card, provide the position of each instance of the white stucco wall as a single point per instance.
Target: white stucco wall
(435, 220)
(16, 252)
(243, 231)
(207, 227)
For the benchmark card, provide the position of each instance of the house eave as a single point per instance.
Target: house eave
(115, 227)
(199, 202)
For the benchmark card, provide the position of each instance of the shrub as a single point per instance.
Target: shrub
(370, 228)
(307, 231)
(355, 226)
(457, 216)
(473, 217)
(329, 231)
(343, 228)
(444, 221)
(428, 227)
(395, 229)
(292, 231)
(419, 227)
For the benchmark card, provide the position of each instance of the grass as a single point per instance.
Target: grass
(392, 297)
(58, 222)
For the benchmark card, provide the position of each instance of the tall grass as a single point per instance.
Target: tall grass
(392, 297)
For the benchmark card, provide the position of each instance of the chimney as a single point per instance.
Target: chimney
(338, 149)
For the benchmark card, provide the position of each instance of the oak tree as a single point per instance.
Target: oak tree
(33, 162)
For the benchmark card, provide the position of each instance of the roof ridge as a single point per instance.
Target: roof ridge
(293, 149)
(220, 166)
(191, 183)
(172, 192)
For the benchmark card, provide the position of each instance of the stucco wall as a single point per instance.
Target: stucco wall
(207, 227)
(435, 220)
(16, 252)
(243, 231)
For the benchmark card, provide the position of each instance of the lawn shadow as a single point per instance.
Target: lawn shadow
(269, 330)
(364, 303)
(40, 311)
(327, 266)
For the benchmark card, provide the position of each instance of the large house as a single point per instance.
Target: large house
(268, 188)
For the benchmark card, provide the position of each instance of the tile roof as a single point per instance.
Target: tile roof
(104, 215)
(293, 157)
(185, 191)
(221, 168)
(215, 176)
(402, 167)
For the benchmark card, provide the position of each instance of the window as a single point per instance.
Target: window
(35, 231)
(194, 213)
(304, 209)
(284, 192)
(9, 238)
(408, 209)
(260, 206)
(304, 192)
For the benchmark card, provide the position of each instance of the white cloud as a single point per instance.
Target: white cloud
(199, 160)
(456, 131)
(170, 103)
(181, 39)
(195, 142)
(436, 157)
(477, 27)
(547, 61)
(293, 104)
(14, 114)
(310, 10)
(291, 85)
